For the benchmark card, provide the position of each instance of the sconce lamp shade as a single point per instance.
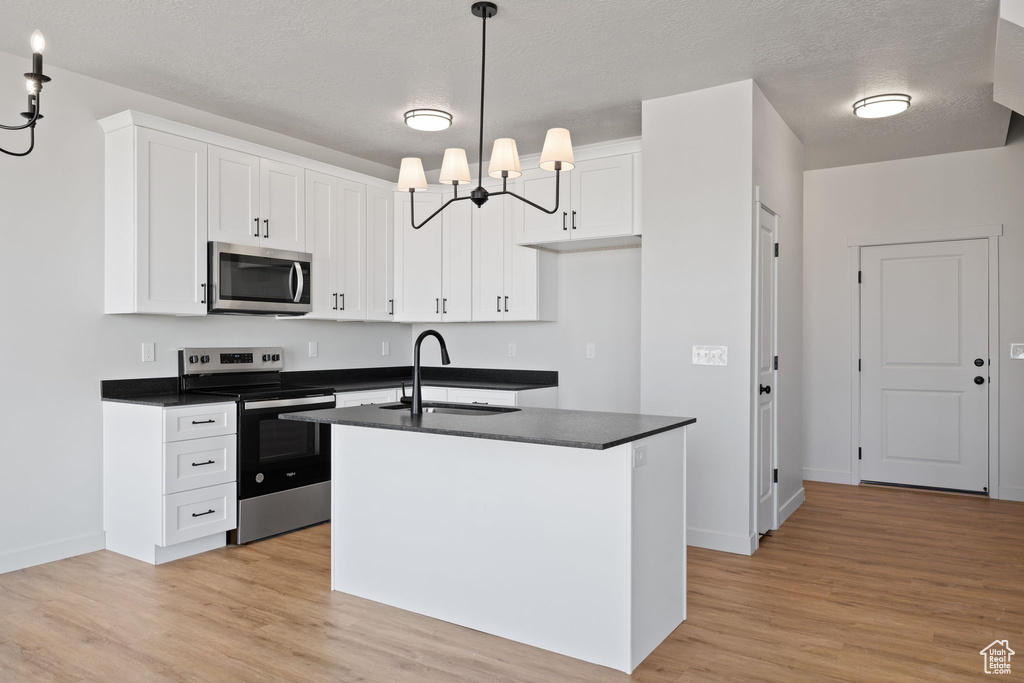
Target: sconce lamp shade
(557, 147)
(504, 159)
(454, 167)
(410, 175)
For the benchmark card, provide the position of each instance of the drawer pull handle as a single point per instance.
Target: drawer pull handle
(203, 422)
(200, 464)
(200, 514)
(481, 403)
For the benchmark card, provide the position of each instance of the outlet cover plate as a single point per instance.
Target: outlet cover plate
(710, 355)
(639, 456)
(1017, 351)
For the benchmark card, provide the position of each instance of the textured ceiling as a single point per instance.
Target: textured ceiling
(342, 72)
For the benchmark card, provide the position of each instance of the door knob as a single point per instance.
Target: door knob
(979, 362)
(979, 380)
(766, 389)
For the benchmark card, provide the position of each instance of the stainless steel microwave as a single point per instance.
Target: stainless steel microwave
(257, 281)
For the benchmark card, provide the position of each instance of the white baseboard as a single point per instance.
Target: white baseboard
(727, 543)
(829, 476)
(1011, 493)
(49, 552)
(790, 506)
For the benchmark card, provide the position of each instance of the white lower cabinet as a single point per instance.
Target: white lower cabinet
(347, 399)
(168, 479)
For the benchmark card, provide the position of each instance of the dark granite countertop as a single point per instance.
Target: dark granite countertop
(549, 426)
(163, 391)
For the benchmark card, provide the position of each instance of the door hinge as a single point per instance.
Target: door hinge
(860, 453)
(776, 364)
(776, 250)
(775, 475)
(858, 365)
(858, 277)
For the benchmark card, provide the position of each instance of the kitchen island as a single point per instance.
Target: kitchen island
(561, 529)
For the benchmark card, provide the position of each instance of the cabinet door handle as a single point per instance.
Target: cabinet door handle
(200, 464)
(266, 226)
(335, 301)
(203, 285)
(343, 301)
(565, 215)
(444, 306)
(480, 403)
(506, 304)
(391, 305)
(573, 220)
(498, 310)
(257, 220)
(200, 514)
(437, 305)
(203, 422)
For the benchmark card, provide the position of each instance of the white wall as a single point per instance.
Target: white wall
(778, 173)
(598, 301)
(55, 341)
(696, 289)
(981, 187)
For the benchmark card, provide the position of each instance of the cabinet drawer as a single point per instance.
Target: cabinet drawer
(362, 398)
(196, 463)
(484, 396)
(195, 422)
(199, 512)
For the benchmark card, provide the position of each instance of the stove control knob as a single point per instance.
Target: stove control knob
(193, 359)
(204, 359)
(277, 356)
(266, 357)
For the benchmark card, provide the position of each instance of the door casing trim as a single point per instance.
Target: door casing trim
(990, 233)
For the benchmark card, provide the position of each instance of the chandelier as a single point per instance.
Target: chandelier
(34, 84)
(556, 155)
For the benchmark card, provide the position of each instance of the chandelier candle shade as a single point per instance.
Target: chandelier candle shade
(33, 84)
(556, 156)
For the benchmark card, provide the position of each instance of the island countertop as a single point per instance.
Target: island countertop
(549, 426)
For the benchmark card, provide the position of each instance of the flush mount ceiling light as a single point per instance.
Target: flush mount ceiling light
(428, 119)
(556, 156)
(34, 84)
(880, 106)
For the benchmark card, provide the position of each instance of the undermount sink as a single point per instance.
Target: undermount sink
(449, 409)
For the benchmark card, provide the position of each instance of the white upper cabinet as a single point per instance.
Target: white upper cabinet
(597, 201)
(156, 223)
(433, 265)
(234, 197)
(509, 280)
(380, 254)
(335, 213)
(256, 202)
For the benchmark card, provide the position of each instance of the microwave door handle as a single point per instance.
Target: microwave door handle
(291, 287)
(302, 281)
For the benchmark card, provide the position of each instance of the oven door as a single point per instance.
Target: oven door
(258, 281)
(276, 455)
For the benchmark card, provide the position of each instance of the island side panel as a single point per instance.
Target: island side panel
(659, 541)
(523, 541)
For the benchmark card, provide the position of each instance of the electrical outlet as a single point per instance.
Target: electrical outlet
(385, 349)
(639, 456)
(591, 350)
(511, 349)
(710, 355)
(1017, 351)
(313, 350)
(148, 352)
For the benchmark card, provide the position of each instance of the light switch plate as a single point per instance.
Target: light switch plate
(385, 349)
(710, 355)
(313, 350)
(1017, 351)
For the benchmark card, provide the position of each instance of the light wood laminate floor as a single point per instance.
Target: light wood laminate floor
(861, 584)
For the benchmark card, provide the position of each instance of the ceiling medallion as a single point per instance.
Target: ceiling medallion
(556, 156)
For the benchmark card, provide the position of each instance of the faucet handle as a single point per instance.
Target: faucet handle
(404, 398)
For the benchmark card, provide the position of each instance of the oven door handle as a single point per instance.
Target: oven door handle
(297, 296)
(327, 401)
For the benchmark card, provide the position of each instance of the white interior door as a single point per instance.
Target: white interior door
(767, 231)
(924, 364)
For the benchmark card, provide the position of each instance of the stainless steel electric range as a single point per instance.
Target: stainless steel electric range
(284, 467)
